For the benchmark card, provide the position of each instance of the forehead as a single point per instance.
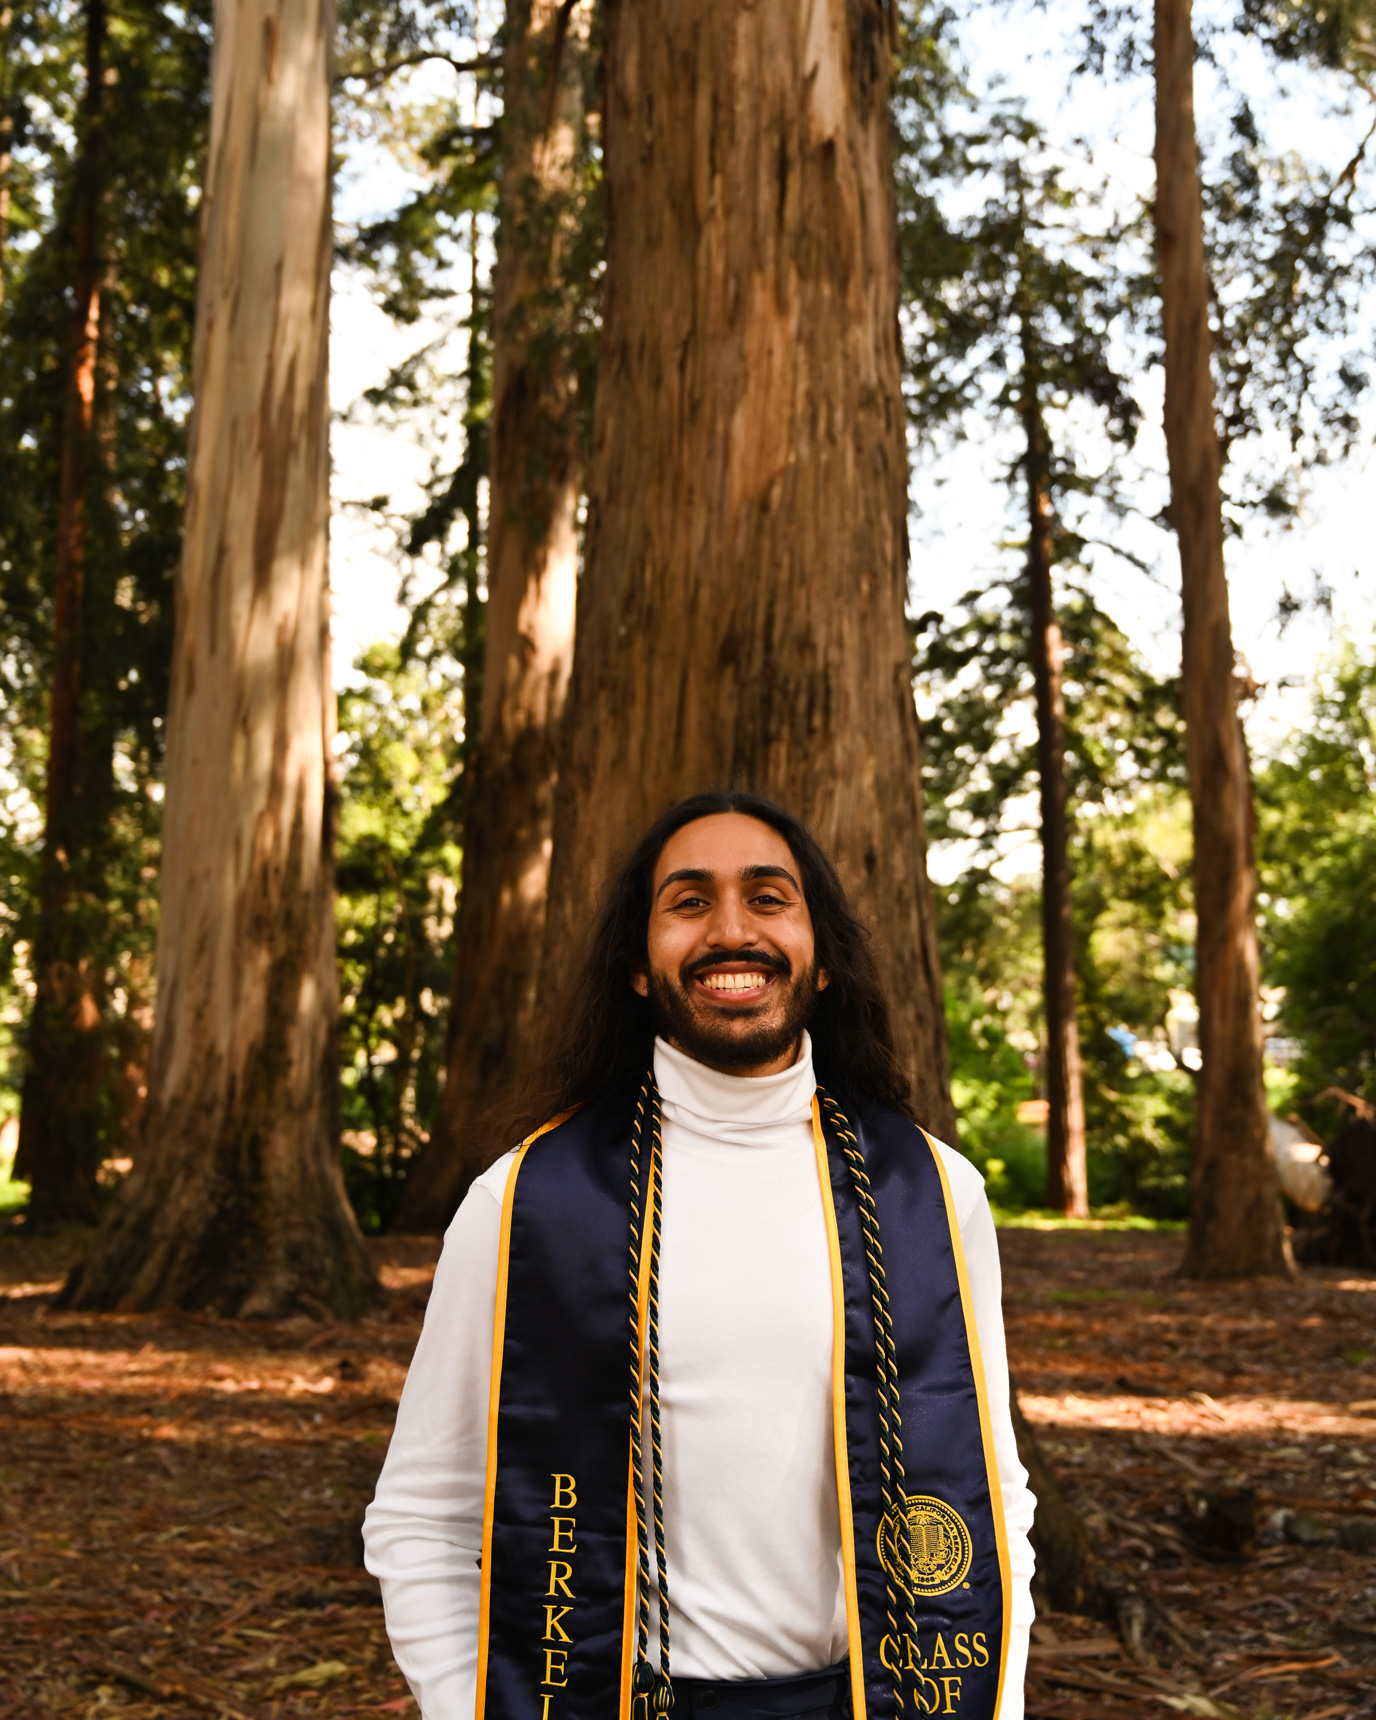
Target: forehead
(724, 843)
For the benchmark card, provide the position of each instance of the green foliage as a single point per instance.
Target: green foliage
(398, 861)
(1289, 246)
(1139, 1126)
(412, 254)
(1130, 867)
(990, 1077)
(1334, 33)
(1135, 931)
(148, 171)
(973, 666)
(1317, 849)
(1018, 304)
(1134, 950)
(1290, 258)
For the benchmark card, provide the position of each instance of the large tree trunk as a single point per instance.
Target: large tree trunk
(1236, 1221)
(59, 1132)
(532, 577)
(1067, 1179)
(237, 1202)
(741, 614)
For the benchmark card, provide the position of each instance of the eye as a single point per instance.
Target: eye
(769, 899)
(689, 902)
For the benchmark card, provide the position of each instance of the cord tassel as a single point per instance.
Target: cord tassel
(653, 1691)
(891, 1473)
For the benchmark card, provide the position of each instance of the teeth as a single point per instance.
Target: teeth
(733, 981)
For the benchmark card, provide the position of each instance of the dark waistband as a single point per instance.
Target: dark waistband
(823, 1695)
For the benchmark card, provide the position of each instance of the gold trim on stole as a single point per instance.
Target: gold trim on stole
(838, 1419)
(494, 1396)
(642, 1303)
(985, 1425)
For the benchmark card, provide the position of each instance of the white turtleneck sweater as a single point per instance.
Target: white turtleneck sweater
(750, 1508)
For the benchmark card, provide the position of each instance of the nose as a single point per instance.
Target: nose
(731, 926)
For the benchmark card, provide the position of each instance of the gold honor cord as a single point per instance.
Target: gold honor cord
(891, 1476)
(653, 1692)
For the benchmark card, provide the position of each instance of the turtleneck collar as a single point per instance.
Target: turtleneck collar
(737, 1108)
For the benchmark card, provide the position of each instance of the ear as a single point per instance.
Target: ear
(640, 981)
(823, 979)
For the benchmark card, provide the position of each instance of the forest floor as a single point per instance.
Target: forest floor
(180, 1496)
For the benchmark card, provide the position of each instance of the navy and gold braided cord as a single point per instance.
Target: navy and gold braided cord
(637, 1457)
(891, 1471)
(656, 1456)
(653, 1691)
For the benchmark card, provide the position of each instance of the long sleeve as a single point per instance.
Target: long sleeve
(423, 1531)
(980, 1242)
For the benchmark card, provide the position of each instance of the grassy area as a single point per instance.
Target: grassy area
(1105, 1218)
(14, 1196)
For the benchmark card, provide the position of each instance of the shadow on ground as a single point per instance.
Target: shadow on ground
(1152, 1396)
(180, 1496)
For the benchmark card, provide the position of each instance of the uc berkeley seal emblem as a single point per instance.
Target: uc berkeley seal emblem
(931, 1539)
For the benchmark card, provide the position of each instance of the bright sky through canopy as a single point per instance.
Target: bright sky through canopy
(962, 516)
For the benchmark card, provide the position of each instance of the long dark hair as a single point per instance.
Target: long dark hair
(606, 1032)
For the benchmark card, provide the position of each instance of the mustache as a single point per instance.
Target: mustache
(776, 964)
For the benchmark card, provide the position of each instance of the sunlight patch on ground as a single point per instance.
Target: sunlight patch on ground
(1200, 1415)
(1007, 1219)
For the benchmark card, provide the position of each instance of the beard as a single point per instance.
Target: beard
(743, 1038)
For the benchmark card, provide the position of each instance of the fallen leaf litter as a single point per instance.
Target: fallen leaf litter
(181, 1495)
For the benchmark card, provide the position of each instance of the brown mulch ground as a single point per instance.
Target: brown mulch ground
(1149, 1395)
(180, 1496)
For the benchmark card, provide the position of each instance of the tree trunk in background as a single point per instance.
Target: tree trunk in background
(741, 614)
(59, 1131)
(1067, 1179)
(1068, 1573)
(532, 577)
(237, 1202)
(1236, 1221)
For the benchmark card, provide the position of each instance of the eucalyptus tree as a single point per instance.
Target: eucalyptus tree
(237, 1200)
(741, 615)
(534, 453)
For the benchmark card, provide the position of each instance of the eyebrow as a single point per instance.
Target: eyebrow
(748, 875)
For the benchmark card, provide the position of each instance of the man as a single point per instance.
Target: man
(726, 1330)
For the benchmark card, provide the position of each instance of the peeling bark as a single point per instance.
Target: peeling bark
(741, 613)
(237, 1202)
(532, 576)
(1236, 1220)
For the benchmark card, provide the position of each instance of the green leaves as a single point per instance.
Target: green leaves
(1316, 805)
(399, 862)
(148, 168)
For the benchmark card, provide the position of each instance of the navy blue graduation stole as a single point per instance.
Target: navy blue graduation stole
(557, 1620)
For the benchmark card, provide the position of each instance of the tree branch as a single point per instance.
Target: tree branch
(1348, 176)
(378, 74)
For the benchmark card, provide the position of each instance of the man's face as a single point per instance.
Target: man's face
(732, 971)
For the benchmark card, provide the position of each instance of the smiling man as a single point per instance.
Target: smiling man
(714, 1361)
